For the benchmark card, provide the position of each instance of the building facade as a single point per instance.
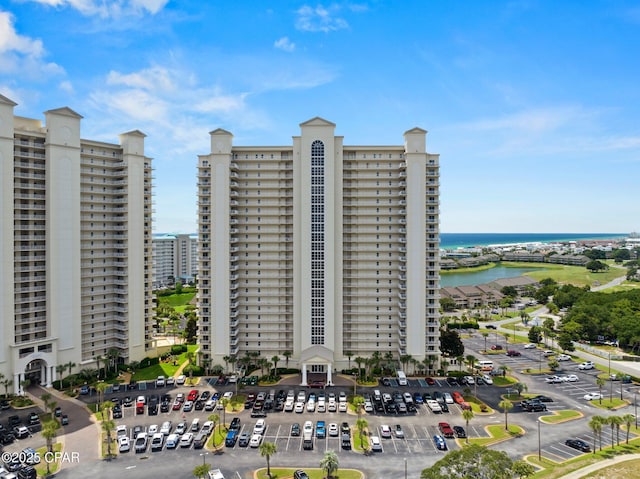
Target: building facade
(76, 269)
(175, 258)
(319, 250)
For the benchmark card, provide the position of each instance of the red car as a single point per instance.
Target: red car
(457, 397)
(193, 395)
(430, 381)
(176, 405)
(445, 429)
(496, 347)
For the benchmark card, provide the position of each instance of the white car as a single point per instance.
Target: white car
(152, 429)
(592, 396)
(368, 406)
(255, 440)
(434, 405)
(530, 346)
(288, 406)
(571, 378)
(376, 445)
(160, 381)
(333, 429)
(180, 380)
(308, 426)
(485, 377)
(448, 398)
(311, 406)
(342, 407)
(166, 428)
(121, 430)
(563, 357)
(181, 428)
(586, 365)
(259, 427)
(124, 445)
(227, 395)
(299, 408)
(302, 396)
(333, 406)
(186, 440)
(385, 431)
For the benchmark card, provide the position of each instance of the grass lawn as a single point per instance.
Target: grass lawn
(41, 468)
(622, 470)
(357, 445)
(626, 286)
(176, 300)
(477, 405)
(287, 473)
(219, 434)
(561, 416)
(576, 275)
(474, 269)
(497, 433)
(506, 381)
(606, 403)
(162, 369)
(557, 470)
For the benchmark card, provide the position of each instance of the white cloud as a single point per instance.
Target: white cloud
(22, 54)
(285, 44)
(154, 78)
(109, 8)
(320, 19)
(66, 86)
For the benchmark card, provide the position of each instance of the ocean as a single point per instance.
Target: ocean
(466, 240)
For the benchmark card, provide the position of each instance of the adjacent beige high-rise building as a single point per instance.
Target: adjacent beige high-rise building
(322, 250)
(175, 258)
(75, 246)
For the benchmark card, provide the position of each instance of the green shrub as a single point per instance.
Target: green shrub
(178, 349)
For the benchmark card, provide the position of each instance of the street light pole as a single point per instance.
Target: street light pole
(204, 457)
(405, 468)
(539, 444)
(635, 406)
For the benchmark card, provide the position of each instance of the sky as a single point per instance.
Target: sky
(533, 106)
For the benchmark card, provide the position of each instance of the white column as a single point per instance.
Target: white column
(329, 381)
(43, 375)
(51, 376)
(16, 384)
(304, 375)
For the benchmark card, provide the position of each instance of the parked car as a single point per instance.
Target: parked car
(491, 326)
(399, 433)
(578, 444)
(459, 431)
(530, 346)
(445, 429)
(255, 440)
(563, 357)
(172, 441)
(513, 353)
(440, 443)
(376, 445)
(592, 396)
(186, 440)
(542, 398)
(124, 445)
(243, 440)
(586, 365)
(295, 429)
(385, 431)
(496, 347)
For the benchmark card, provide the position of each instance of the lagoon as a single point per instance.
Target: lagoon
(482, 277)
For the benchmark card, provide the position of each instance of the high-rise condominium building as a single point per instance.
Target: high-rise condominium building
(319, 250)
(75, 245)
(175, 258)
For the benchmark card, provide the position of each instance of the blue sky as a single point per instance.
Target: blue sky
(533, 105)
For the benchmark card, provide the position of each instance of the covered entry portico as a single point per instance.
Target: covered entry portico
(319, 359)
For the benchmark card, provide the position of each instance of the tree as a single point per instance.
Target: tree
(287, 355)
(6, 383)
(471, 361)
(600, 382)
(523, 469)
(451, 344)
(362, 424)
(49, 432)
(108, 425)
(506, 406)
(359, 361)
(565, 342)
(535, 334)
(215, 419)
(628, 419)
(268, 449)
(471, 461)
(467, 415)
(596, 266)
(70, 365)
(225, 402)
(615, 422)
(60, 369)
(101, 387)
(520, 387)
(330, 463)
(509, 291)
(447, 304)
(275, 360)
(226, 363)
(24, 384)
(201, 471)
(595, 424)
(358, 404)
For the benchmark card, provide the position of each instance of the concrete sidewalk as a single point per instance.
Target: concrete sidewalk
(600, 465)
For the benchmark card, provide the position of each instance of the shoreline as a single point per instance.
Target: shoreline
(457, 241)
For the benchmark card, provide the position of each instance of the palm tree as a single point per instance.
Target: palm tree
(600, 382)
(233, 360)
(225, 401)
(226, 360)
(361, 424)
(275, 360)
(628, 419)
(520, 387)
(287, 355)
(460, 361)
(215, 419)
(60, 369)
(101, 387)
(595, 424)
(113, 354)
(467, 415)
(49, 431)
(359, 361)
(268, 449)
(471, 360)
(24, 384)
(358, 404)
(615, 422)
(329, 463)
(506, 406)
(108, 426)
(6, 383)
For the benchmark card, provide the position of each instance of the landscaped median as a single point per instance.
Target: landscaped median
(287, 473)
(497, 433)
(563, 415)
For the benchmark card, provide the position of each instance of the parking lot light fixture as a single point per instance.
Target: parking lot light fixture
(405, 468)
(539, 443)
(635, 406)
(204, 457)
